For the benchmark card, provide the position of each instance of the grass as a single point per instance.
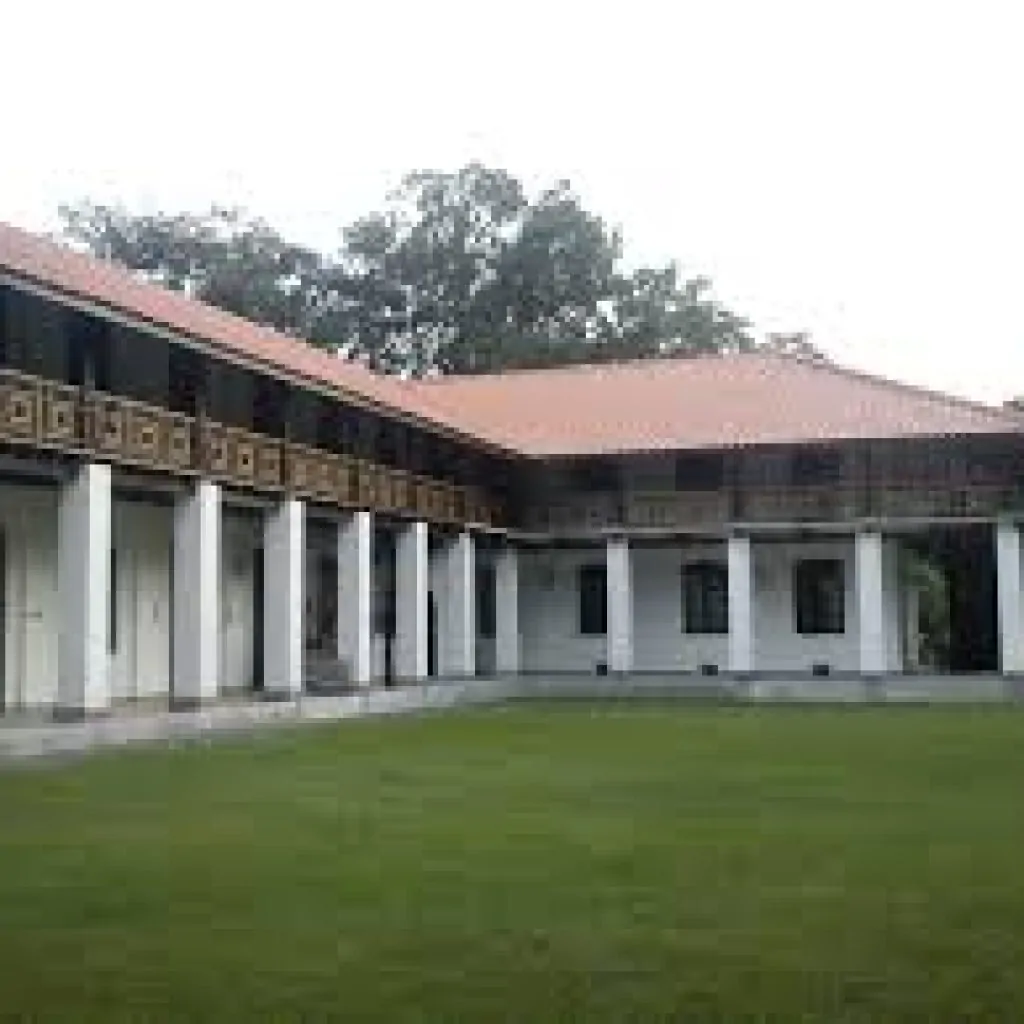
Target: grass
(599, 863)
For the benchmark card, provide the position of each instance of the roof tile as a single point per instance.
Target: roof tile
(707, 402)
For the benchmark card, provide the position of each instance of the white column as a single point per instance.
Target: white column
(741, 605)
(196, 634)
(411, 595)
(83, 583)
(619, 580)
(872, 617)
(284, 554)
(1011, 604)
(457, 648)
(506, 601)
(355, 595)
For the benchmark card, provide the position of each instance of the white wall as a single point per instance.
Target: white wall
(549, 612)
(659, 643)
(777, 645)
(142, 536)
(28, 519)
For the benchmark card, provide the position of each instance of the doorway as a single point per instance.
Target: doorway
(257, 619)
(431, 635)
(953, 572)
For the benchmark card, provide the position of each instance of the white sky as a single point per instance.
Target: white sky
(855, 169)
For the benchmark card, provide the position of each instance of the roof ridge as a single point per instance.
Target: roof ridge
(590, 365)
(630, 409)
(881, 380)
(826, 365)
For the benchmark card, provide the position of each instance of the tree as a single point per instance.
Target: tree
(657, 314)
(238, 263)
(462, 272)
(458, 272)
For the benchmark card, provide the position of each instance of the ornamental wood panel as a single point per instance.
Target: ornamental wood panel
(52, 415)
(21, 413)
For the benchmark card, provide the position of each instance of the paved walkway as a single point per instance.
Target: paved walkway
(22, 737)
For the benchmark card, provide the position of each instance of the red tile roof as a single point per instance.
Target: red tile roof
(114, 287)
(584, 410)
(707, 402)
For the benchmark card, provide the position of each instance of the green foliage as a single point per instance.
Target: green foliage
(600, 863)
(459, 272)
(238, 263)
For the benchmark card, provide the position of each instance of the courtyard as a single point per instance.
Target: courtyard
(599, 862)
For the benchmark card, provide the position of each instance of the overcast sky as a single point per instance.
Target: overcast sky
(854, 169)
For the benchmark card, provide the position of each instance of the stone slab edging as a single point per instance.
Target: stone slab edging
(20, 741)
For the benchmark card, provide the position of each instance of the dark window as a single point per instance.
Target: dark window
(992, 466)
(187, 382)
(270, 406)
(486, 599)
(594, 475)
(820, 593)
(700, 472)
(706, 597)
(88, 350)
(593, 600)
(811, 467)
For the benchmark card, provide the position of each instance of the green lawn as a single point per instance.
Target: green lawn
(599, 863)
